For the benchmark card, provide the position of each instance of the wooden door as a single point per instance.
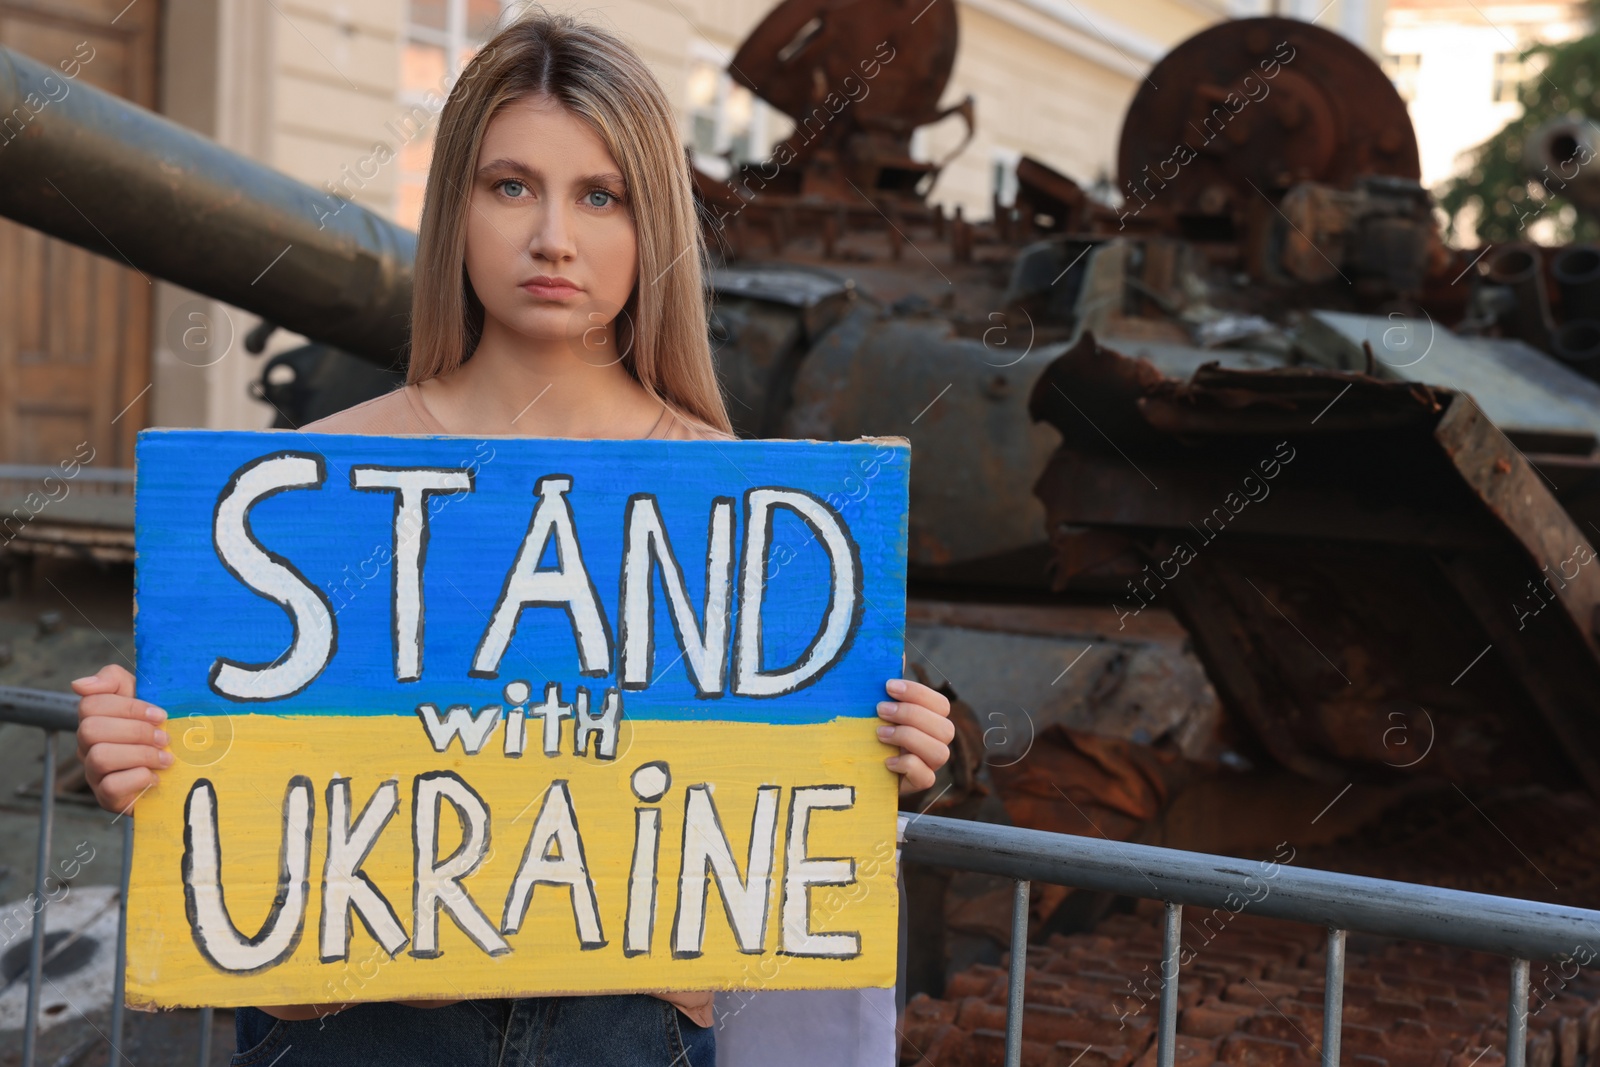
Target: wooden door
(75, 327)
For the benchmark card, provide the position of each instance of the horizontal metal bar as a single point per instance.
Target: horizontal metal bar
(1502, 925)
(37, 707)
(28, 472)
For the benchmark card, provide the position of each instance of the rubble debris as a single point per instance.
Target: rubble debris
(1252, 995)
(1251, 990)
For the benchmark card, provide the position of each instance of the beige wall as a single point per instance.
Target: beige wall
(218, 65)
(311, 87)
(302, 87)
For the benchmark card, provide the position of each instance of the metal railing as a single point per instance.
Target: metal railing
(57, 713)
(1521, 929)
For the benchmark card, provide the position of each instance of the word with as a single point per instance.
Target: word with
(12, 125)
(1183, 554)
(1255, 893)
(1582, 553)
(411, 526)
(832, 904)
(35, 502)
(1231, 105)
(554, 856)
(474, 729)
(784, 154)
(21, 918)
(568, 585)
(407, 128)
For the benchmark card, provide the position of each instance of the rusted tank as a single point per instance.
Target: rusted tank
(1148, 637)
(1273, 250)
(1286, 181)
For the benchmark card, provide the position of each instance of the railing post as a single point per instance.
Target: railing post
(1517, 1016)
(1333, 999)
(47, 809)
(205, 1036)
(117, 980)
(1019, 972)
(1171, 945)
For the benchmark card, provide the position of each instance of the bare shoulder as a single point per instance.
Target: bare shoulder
(391, 413)
(685, 427)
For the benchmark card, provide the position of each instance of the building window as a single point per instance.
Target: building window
(1509, 72)
(441, 36)
(727, 124)
(1403, 69)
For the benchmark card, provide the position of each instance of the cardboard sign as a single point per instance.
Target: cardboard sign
(465, 718)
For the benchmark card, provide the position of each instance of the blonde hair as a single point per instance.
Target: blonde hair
(663, 327)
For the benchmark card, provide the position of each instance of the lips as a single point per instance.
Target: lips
(551, 288)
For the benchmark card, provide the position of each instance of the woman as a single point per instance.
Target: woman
(558, 293)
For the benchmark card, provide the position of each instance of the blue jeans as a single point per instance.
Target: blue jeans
(632, 1030)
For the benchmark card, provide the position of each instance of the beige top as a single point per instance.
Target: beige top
(403, 412)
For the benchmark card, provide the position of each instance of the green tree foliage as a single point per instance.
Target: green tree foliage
(1497, 189)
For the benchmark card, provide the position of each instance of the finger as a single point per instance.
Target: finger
(914, 774)
(111, 678)
(918, 717)
(907, 691)
(100, 729)
(92, 683)
(106, 760)
(109, 729)
(933, 752)
(117, 792)
(117, 706)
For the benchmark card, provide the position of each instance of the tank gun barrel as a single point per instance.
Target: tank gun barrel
(1562, 155)
(92, 169)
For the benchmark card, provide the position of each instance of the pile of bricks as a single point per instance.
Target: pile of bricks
(1251, 993)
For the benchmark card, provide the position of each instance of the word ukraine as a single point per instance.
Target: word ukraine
(591, 653)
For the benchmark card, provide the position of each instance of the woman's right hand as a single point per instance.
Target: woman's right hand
(120, 739)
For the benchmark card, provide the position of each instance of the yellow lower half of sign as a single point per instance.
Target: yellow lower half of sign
(333, 859)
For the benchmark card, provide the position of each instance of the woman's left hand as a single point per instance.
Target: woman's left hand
(917, 719)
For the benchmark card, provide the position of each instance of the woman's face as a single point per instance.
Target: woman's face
(551, 248)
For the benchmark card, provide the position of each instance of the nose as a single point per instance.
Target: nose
(553, 238)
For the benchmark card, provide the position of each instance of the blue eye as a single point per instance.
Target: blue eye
(512, 188)
(603, 203)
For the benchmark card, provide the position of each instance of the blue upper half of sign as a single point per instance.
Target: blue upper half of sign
(232, 567)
